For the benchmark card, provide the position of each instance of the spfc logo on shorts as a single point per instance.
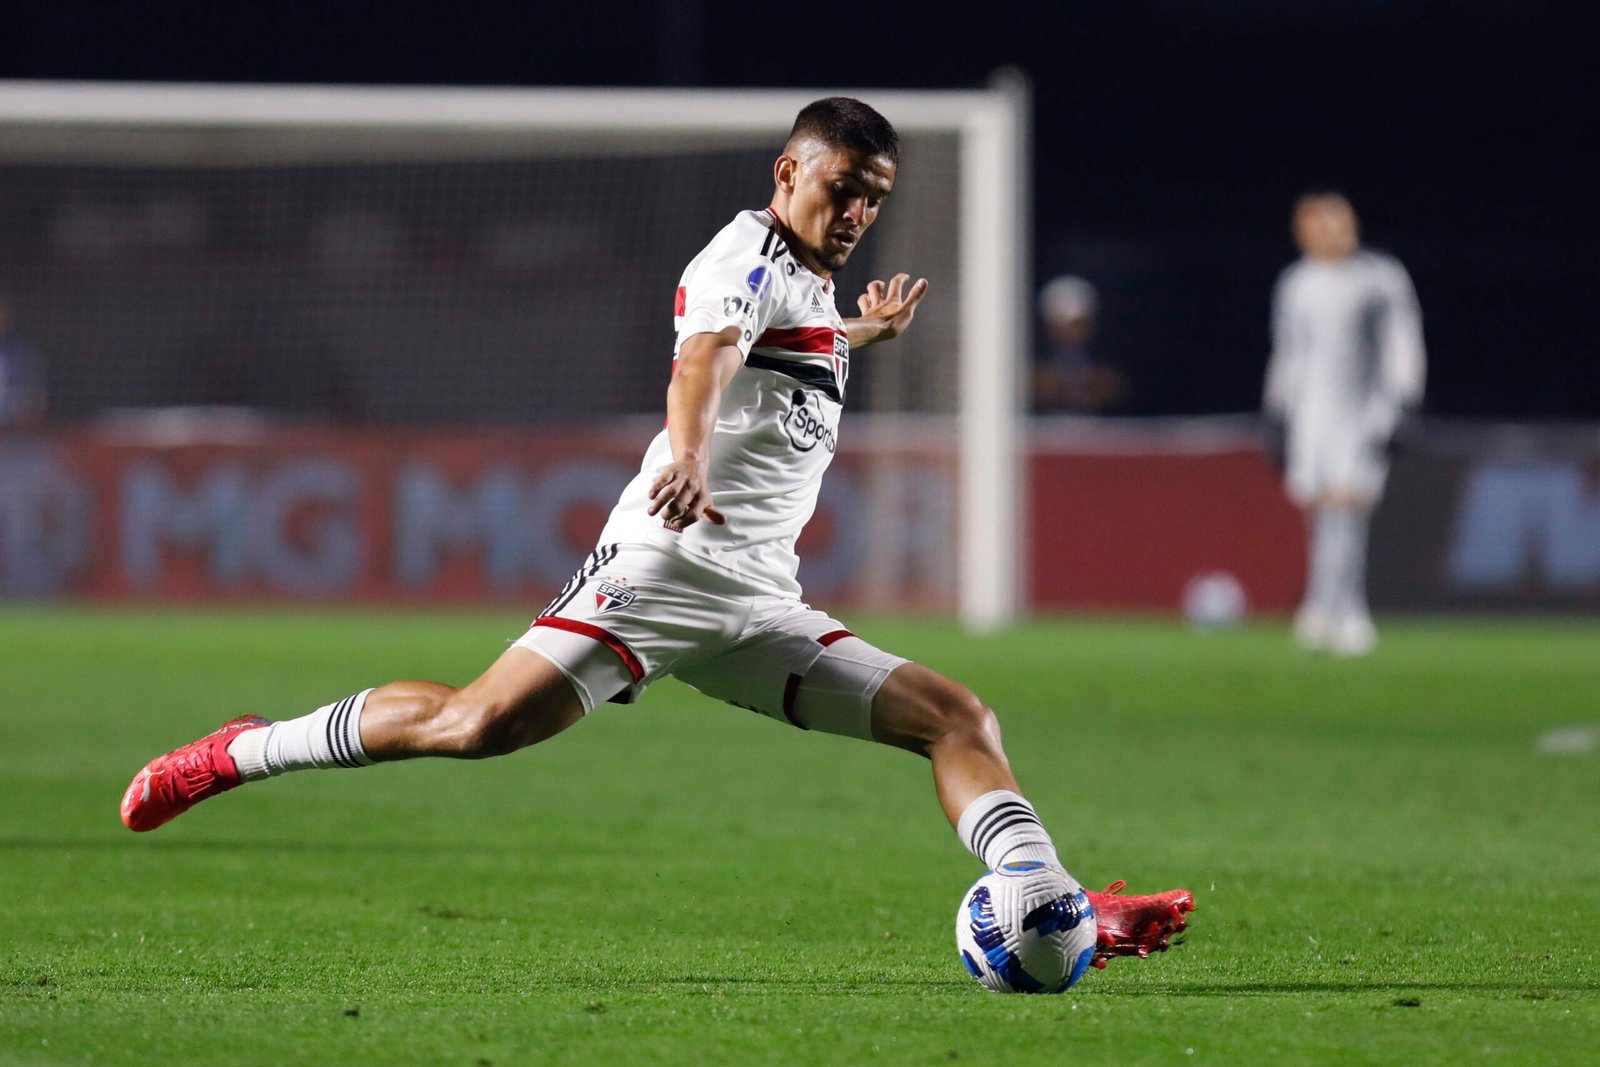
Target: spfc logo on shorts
(609, 596)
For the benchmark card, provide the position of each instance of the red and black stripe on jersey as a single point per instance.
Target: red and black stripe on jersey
(807, 340)
(804, 340)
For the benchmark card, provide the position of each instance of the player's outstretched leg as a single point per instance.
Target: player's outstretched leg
(521, 700)
(920, 710)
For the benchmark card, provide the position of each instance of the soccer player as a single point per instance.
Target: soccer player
(1347, 365)
(694, 573)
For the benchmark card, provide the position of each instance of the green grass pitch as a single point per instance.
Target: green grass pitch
(1388, 867)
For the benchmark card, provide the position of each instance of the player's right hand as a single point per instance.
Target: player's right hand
(681, 497)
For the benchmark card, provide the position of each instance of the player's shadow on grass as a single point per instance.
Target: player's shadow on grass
(1265, 988)
(182, 844)
(713, 985)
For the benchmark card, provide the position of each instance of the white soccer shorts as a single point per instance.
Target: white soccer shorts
(1327, 458)
(633, 614)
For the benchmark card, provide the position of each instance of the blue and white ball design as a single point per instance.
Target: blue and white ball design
(1026, 928)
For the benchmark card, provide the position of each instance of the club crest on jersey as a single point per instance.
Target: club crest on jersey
(806, 423)
(759, 281)
(608, 597)
(841, 360)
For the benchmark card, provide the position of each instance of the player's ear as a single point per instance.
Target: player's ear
(784, 172)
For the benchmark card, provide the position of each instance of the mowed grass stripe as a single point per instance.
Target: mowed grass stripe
(1388, 869)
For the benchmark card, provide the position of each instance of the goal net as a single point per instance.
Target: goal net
(438, 258)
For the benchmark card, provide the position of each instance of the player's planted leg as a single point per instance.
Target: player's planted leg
(521, 700)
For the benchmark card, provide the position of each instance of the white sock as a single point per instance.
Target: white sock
(328, 737)
(1352, 594)
(1329, 533)
(1001, 827)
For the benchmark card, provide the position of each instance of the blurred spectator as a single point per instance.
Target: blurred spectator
(22, 381)
(1067, 378)
(1347, 366)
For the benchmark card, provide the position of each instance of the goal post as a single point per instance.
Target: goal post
(974, 353)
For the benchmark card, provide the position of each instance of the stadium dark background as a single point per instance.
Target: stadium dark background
(1171, 137)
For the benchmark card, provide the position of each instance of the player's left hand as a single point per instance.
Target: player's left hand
(888, 308)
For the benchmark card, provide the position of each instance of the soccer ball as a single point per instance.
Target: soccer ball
(1213, 600)
(1026, 928)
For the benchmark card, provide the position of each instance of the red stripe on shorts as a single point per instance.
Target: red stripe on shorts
(837, 635)
(610, 640)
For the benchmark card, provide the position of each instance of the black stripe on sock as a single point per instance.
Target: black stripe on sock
(1003, 808)
(996, 834)
(344, 734)
(332, 733)
(336, 741)
(1000, 827)
(328, 732)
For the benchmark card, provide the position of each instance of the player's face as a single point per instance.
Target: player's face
(1325, 228)
(828, 197)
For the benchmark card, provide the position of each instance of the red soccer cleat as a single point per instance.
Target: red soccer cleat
(172, 784)
(1138, 925)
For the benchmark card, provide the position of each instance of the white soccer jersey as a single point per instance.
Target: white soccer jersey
(1346, 359)
(779, 421)
(1347, 344)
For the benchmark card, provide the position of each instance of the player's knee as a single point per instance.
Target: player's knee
(970, 721)
(948, 713)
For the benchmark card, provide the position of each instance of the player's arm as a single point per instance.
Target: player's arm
(1276, 390)
(1404, 360)
(886, 310)
(1397, 392)
(706, 363)
(1281, 364)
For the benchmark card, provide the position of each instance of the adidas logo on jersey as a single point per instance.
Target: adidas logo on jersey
(608, 597)
(816, 302)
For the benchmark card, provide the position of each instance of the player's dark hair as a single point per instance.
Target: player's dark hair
(844, 122)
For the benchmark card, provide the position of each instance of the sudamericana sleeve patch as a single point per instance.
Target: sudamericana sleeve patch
(759, 281)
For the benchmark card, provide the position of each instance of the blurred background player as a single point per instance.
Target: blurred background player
(1067, 378)
(1347, 366)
